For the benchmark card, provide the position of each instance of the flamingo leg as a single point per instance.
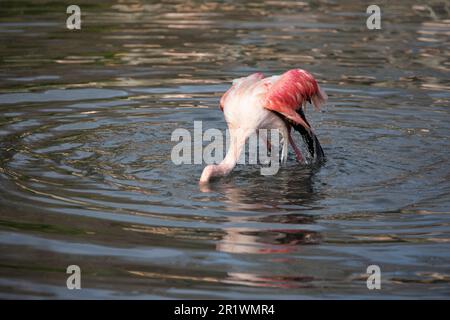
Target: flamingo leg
(269, 145)
(263, 136)
(284, 137)
(298, 154)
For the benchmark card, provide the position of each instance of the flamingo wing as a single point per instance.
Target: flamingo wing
(289, 92)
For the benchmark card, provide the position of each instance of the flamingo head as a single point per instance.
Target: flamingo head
(216, 170)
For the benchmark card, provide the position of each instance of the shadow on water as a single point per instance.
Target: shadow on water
(290, 189)
(245, 187)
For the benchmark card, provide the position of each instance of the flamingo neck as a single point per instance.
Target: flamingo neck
(228, 163)
(219, 170)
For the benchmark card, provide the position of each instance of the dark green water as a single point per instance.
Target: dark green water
(86, 176)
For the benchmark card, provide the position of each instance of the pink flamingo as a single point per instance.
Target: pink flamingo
(277, 102)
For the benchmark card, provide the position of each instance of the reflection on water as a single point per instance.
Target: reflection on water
(86, 176)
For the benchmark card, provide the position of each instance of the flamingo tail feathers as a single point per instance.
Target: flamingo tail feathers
(319, 98)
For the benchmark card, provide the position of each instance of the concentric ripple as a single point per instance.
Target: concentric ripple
(86, 175)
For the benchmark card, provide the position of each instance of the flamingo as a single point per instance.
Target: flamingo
(278, 102)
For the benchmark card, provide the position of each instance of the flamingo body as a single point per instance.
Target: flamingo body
(276, 102)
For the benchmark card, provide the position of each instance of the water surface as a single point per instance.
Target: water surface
(86, 177)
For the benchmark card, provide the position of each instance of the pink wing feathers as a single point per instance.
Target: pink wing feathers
(291, 91)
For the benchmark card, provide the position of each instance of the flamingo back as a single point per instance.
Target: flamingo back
(293, 89)
(239, 88)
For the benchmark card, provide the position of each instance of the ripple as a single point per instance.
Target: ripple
(86, 175)
(61, 95)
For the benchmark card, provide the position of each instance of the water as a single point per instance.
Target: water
(86, 176)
